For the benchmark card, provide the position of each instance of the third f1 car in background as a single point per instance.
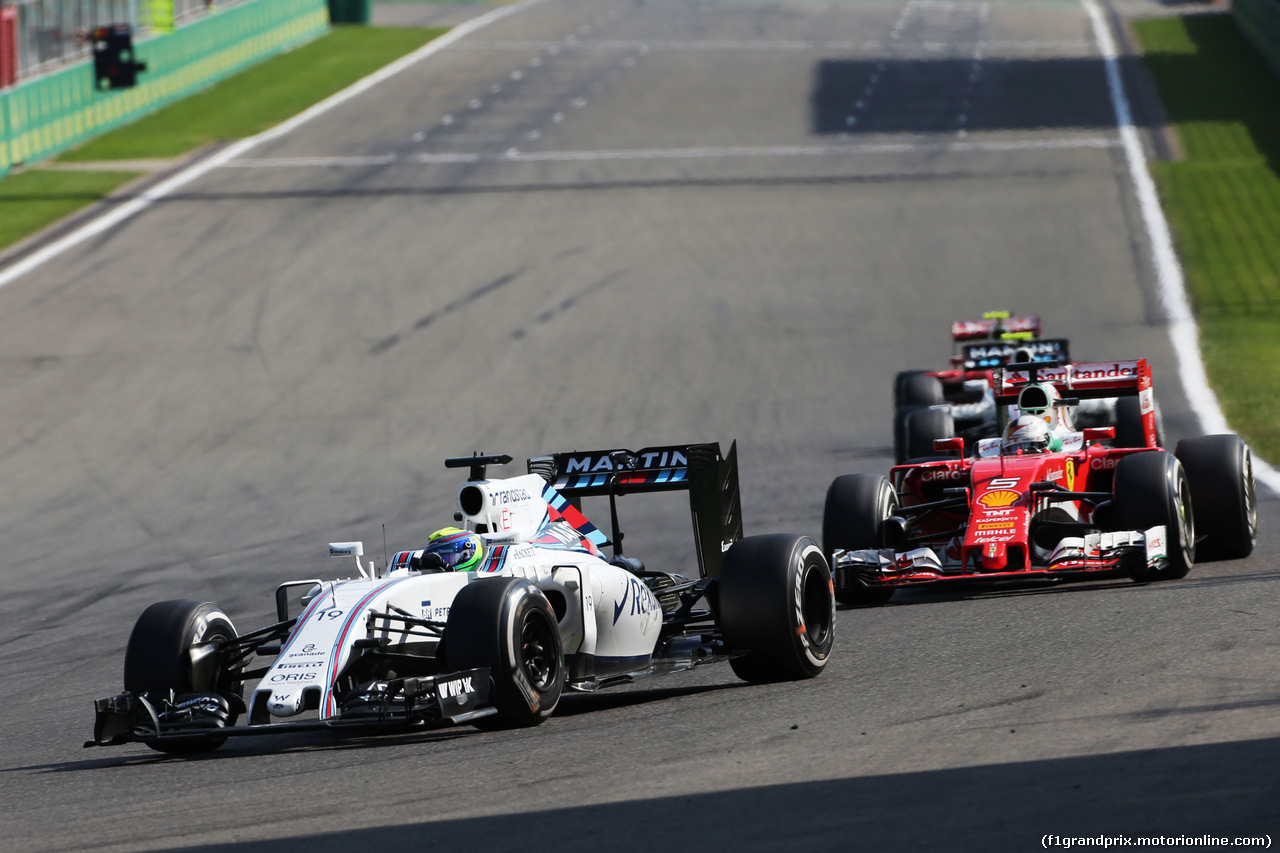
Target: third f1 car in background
(1047, 500)
(535, 609)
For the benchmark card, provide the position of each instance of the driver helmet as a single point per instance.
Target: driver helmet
(459, 550)
(1028, 434)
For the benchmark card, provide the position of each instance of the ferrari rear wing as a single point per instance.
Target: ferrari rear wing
(710, 478)
(1083, 381)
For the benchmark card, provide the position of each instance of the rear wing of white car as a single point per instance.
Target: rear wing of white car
(710, 478)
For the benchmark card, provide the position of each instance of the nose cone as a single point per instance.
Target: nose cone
(995, 557)
(285, 703)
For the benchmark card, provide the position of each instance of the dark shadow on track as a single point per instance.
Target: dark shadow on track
(946, 95)
(362, 192)
(1221, 790)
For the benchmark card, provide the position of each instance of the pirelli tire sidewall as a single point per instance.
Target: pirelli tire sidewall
(1220, 469)
(158, 659)
(507, 625)
(776, 603)
(158, 656)
(1151, 488)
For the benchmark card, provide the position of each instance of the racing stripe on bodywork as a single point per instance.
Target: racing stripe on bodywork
(338, 644)
(497, 559)
(571, 514)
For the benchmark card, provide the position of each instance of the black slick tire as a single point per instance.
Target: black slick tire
(1129, 430)
(1220, 468)
(856, 507)
(1151, 489)
(917, 388)
(158, 659)
(775, 603)
(922, 427)
(507, 625)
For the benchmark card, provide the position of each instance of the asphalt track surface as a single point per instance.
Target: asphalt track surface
(598, 224)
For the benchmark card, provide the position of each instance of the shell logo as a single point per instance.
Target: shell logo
(998, 498)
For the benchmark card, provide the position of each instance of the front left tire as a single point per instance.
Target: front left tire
(507, 625)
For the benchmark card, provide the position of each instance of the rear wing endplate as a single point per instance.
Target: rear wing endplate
(710, 478)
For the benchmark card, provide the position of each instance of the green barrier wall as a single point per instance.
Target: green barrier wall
(48, 114)
(1259, 21)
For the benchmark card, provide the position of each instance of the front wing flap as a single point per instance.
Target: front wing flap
(430, 702)
(1095, 553)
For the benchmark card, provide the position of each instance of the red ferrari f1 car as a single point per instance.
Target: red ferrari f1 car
(1044, 499)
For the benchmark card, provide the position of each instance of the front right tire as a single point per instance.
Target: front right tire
(158, 659)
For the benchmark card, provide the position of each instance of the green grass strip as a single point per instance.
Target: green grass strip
(260, 97)
(30, 201)
(1223, 204)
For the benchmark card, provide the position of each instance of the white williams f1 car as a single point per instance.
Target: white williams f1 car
(488, 624)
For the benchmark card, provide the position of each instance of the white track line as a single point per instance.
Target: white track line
(515, 156)
(1184, 334)
(116, 215)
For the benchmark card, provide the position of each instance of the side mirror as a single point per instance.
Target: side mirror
(1099, 433)
(944, 445)
(282, 596)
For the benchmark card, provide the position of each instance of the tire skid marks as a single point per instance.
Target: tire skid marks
(941, 146)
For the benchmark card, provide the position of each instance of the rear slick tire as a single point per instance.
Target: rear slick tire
(1220, 468)
(922, 427)
(775, 602)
